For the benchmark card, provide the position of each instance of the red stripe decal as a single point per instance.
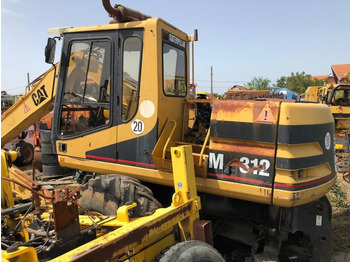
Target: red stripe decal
(240, 179)
(330, 176)
(102, 158)
(120, 161)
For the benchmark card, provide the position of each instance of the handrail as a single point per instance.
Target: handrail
(203, 148)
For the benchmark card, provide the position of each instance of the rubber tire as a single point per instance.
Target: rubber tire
(48, 159)
(106, 193)
(46, 148)
(195, 251)
(27, 154)
(45, 135)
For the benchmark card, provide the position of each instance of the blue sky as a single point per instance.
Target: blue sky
(240, 39)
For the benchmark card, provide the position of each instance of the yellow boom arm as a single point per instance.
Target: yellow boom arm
(30, 107)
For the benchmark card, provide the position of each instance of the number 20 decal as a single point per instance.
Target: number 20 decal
(263, 165)
(137, 126)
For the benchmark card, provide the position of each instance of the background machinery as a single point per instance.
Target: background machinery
(262, 169)
(337, 97)
(24, 140)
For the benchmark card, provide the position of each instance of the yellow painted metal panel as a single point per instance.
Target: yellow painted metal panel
(228, 189)
(29, 108)
(301, 114)
(23, 254)
(299, 150)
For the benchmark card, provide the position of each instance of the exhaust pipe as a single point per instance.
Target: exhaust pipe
(121, 13)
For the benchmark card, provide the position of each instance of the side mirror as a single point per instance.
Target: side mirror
(50, 50)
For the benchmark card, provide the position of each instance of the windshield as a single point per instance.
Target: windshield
(86, 94)
(341, 96)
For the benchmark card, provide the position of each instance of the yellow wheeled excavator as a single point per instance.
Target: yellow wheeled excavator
(337, 97)
(121, 112)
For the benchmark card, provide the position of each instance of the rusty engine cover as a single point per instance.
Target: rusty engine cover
(243, 142)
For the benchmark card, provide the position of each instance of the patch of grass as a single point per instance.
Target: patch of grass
(341, 232)
(339, 197)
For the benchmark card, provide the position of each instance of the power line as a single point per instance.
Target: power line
(23, 87)
(216, 87)
(206, 71)
(10, 90)
(222, 81)
(225, 81)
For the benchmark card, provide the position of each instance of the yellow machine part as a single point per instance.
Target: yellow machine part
(20, 192)
(147, 236)
(22, 254)
(138, 239)
(311, 94)
(30, 107)
(303, 173)
(265, 151)
(12, 192)
(7, 199)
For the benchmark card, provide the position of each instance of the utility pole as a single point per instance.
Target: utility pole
(211, 74)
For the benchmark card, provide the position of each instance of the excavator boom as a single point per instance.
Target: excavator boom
(30, 107)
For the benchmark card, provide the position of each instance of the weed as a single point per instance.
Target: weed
(339, 197)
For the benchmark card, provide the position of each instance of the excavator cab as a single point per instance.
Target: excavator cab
(120, 86)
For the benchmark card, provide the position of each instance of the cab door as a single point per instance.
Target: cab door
(85, 111)
(137, 129)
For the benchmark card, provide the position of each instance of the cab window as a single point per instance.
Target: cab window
(131, 74)
(329, 96)
(174, 71)
(341, 97)
(86, 97)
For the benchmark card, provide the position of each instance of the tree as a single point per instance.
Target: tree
(258, 83)
(281, 82)
(298, 82)
(216, 95)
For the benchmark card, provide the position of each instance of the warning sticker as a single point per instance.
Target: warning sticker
(266, 115)
(26, 108)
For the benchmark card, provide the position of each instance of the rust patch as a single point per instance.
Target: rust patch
(229, 109)
(202, 230)
(188, 195)
(245, 148)
(265, 192)
(130, 240)
(67, 194)
(66, 217)
(238, 163)
(29, 182)
(295, 196)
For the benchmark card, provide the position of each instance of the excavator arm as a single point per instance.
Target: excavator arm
(30, 107)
